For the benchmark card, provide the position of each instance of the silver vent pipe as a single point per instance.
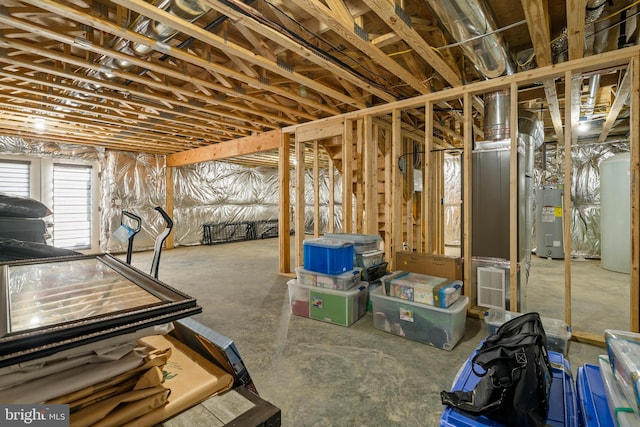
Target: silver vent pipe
(466, 20)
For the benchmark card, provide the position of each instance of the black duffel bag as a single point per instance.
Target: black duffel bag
(515, 378)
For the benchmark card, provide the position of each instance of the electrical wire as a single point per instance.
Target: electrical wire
(320, 52)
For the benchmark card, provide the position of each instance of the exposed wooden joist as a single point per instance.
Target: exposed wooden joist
(232, 49)
(622, 95)
(204, 63)
(537, 14)
(576, 11)
(346, 30)
(386, 12)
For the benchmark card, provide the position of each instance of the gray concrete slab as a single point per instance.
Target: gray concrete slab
(318, 374)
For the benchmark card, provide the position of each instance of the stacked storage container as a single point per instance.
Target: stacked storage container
(423, 308)
(563, 406)
(328, 287)
(609, 392)
(557, 331)
(368, 255)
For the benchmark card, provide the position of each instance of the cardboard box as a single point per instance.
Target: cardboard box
(424, 289)
(449, 267)
(190, 377)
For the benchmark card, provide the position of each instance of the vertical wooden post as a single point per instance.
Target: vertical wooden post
(409, 196)
(370, 146)
(388, 195)
(300, 204)
(359, 177)
(396, 204)
(469, 288)
(347, 177)
(566, 208)
(634, 137)
(332, 198)
(438, 202)
(284, 206)
(426, 178)
(316, 191)
(513, 200)
(170, 242)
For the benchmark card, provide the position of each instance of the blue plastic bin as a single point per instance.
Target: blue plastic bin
(592, 398)
(328, 256)
(563, 409)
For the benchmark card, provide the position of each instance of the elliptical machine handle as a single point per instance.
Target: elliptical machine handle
(134, 217)
(157, 250)
(166, 217)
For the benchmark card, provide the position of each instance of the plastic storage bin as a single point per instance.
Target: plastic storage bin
(624, 357)
(439, 327)
(361, 242)
(424, 289)
(592, 398)
(328, 256)
(329, 305)
(298, 299)
(557, 331)
(374, 272)
(342, 281)
(369, 258)
(563, 405)
(620, 409)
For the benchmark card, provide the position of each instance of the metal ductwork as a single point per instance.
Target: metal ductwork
(560, 45)
(471, 23)
(188, 10)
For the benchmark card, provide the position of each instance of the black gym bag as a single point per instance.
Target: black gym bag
(515, 378)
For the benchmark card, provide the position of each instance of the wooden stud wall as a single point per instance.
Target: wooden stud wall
(430, 224)
(284, 216)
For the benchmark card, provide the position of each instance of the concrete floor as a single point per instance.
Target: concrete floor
(318, 374)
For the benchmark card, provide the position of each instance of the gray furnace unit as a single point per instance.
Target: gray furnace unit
(549, 221)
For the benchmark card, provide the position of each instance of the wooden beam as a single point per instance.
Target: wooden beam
(347, 177)
(284, 205)
(539, 24)
(316, 191)
(132, 36)
(332, 197)
(318, 131)
(300, 203)
(385, 10)
(233, 49)
(469, 288)
(427, 193)
(621, 98)
(287, 42)
(388, 198)
(566, 205)
(248, 145)
(169, 205)
(396, 178)
(359, 179)
(554, 106)
(514, 261)
(370, 161)
(576, 10)
(634, 138)
(346, 31)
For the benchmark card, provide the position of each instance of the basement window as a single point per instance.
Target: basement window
(15, 177)
(72, 206)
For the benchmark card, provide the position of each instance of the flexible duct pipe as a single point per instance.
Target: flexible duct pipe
(465, 19)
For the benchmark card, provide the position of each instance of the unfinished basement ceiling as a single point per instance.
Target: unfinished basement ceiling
(167, 76)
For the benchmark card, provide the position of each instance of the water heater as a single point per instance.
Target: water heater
(549, 221)
(615, 213)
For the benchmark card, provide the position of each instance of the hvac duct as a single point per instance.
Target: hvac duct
(467, 19)
(560, 45)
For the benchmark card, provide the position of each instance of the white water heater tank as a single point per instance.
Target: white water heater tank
(615, 213)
